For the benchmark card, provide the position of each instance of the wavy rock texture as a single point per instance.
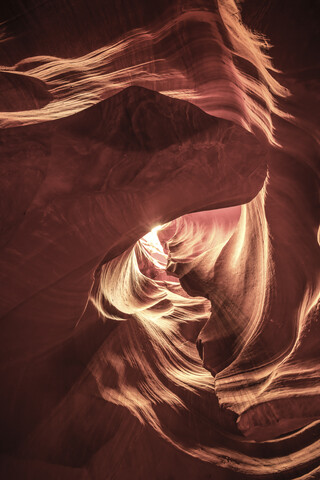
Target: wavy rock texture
(191, 352)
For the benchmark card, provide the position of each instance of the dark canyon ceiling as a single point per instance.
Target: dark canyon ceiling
(159, 248)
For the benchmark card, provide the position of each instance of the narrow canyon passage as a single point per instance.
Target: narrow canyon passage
(159, 240)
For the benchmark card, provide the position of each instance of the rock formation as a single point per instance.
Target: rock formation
(159, 245)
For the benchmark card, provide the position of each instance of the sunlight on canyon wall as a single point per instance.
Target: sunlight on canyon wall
(218, 81)
(160, 222)
(155, 346)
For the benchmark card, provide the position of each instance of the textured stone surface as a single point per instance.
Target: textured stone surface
(93, 155)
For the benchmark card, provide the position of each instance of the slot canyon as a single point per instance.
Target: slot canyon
(159, 248)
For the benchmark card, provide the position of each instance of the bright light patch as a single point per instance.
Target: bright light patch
(153, 245)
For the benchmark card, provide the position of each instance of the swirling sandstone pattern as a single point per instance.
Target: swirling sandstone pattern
(122, 356)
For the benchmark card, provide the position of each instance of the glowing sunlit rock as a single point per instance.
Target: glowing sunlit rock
(159, 258)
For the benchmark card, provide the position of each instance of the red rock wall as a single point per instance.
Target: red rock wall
(118, 118)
